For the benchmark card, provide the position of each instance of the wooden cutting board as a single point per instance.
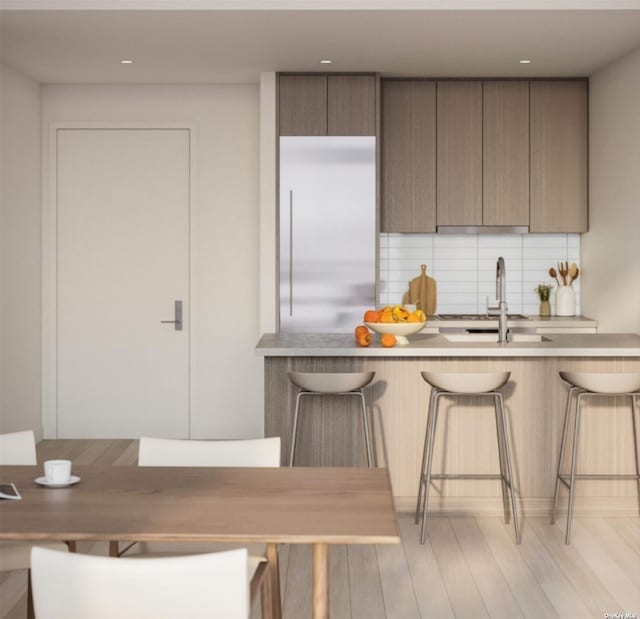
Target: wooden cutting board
(422, 292)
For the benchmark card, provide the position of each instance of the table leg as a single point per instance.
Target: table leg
(320, 581)
(274, 577)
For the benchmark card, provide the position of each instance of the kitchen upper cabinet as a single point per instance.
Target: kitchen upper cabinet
(303, 104)
(505, 153)
(327, 105)
(459, 153)
(408, 156)
(351, 103)
(559, 142)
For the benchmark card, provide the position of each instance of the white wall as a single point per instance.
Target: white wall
(20, 200)
(611, 248)
(226, 375)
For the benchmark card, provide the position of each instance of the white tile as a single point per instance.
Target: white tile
(405, 253)
(451, 264)
(469, 275)
(493, 253)
(500, 240)
(454, 240)
(545, 240)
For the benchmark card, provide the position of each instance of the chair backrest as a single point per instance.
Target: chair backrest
(77, 586)
(175, 452)
(18, 448)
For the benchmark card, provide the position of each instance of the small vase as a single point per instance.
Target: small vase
(565, 301)
(545, 308)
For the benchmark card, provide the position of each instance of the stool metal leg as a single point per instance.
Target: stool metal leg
(501, 449)
(427, 477)
(424, 453)
(295, 428)
(367, 436)
(634, 413)
(574, 458)
(507, 455)
(563, 443)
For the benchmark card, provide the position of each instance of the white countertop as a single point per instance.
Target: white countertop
(421, 345)
(530, 322)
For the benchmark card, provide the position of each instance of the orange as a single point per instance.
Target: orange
(388, 340)
(386, 316)
(361, 330)
(413, 318)
(372, 316)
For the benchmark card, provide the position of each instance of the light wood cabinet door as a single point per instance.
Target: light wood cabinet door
(408, 156)
(559, 142)
(459, 153)
(303, 104)
(505, 156)
(351, 103)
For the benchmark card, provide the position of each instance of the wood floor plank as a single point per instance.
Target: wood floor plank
(563, 596)
(12, 590)
(283, 561)
(577, 571)
(612, 576)
(463, 593)
(395, 579)
(367, 601)
(339, 596)
(94, 449)
(531, 598)
(297, 596)
(431, 594)
(625, 528)
(494, 589)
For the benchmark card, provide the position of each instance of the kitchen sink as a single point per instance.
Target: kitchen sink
(480, 317)
(493, 337)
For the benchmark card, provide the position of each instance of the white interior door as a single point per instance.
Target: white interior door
(122, 241)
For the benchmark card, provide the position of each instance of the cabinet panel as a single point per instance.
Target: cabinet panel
(303, 104)
(408, 156)
(351, 102)
(559, 125)
(505, 157)
(459, 156)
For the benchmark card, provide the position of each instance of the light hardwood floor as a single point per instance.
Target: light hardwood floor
(469, 567)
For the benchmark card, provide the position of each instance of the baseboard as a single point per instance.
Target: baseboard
(621, 506)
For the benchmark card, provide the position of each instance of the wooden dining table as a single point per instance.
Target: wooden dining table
(317, 506)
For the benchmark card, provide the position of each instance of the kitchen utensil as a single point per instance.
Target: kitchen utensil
(422, 292)
(564, 271)
(553, 273)
(573, 272)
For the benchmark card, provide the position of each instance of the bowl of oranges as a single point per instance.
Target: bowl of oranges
(395, 320)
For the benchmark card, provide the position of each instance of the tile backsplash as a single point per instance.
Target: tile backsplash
(464, 267)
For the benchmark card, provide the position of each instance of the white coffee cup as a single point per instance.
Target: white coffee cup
(57, 471)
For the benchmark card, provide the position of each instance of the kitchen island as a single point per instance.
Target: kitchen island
(331, 434)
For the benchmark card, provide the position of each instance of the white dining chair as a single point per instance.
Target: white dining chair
(262, 452)
(78, 586)
(18, 449)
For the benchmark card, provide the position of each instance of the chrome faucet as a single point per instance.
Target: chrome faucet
(501, 297)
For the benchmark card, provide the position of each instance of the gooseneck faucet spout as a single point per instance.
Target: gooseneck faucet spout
(501, 297)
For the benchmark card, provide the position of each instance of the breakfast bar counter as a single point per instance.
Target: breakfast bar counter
(330, 431)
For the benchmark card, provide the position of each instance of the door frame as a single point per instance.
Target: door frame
(49, 365)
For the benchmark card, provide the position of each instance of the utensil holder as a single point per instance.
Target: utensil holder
(565, 301)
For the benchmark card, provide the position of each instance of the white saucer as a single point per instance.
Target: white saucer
(43, 482)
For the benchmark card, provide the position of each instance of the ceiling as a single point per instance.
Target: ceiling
(205, 46)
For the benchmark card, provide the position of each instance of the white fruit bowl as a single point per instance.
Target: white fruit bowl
(399, 329)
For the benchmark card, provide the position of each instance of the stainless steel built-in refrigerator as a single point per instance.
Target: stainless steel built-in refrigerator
(327, 232)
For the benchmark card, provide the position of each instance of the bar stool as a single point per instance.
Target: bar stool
(322, 384)
(587, 385)
(464, 385)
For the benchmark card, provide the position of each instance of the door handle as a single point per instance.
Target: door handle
(177, 316)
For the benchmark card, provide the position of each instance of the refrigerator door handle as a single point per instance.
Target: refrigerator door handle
(290, 252)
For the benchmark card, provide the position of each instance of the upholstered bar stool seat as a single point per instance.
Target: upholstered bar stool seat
(461, 385)
(331, 383)
(587, 385)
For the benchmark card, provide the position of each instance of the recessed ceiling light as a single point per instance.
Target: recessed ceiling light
(326, 61)
(525, 62)
(126, 62)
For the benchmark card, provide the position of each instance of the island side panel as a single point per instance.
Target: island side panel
(331, 431)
